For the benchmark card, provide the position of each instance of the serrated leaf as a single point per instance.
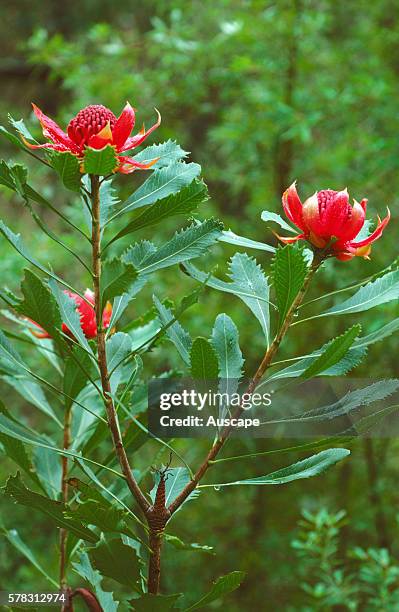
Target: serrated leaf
(105, 516)
(251, 282)
(225, 342)
(16, 490)
(77, 368)
(235, 288)
(175, 332)
(222, 586)
(39, 304)
(177, 479)
(165, 153)
(307, 468)
(350, 402)
(184, 202)
(333, 353)
(117, 278)
(232, 238)
(380, 291)
(116, 560)
(108, 200)
(100, 161)
(94, 578)
(68, 167)
(203, 361)
(187, 244)
(289, 272)
(162, 183)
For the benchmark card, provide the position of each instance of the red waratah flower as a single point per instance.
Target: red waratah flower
(87, 316)
(96, 126)
(326, 219)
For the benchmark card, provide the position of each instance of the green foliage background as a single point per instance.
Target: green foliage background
(261, 93)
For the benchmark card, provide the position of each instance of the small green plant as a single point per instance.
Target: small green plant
(365, 579)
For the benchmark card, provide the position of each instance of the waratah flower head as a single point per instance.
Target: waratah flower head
(328, 221)
(96, 126)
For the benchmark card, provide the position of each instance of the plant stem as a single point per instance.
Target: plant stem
(64, 493)
(102, 357)
(255, 380)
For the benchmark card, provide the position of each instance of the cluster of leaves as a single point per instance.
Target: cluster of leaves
(371, 583)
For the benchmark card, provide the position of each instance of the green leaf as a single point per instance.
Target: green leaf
(311, 466)
(77, 368)
(333, 353)
(166, 152)
(289, 272)
(69, 314)
(270, 216)
(13, 537)
(117, 278)
(162, 183)
(108, 200)
(100, 161)
(187, 244)
(17, 374)
(248, 278)
(223, 585)
(180, 545)
(384, 289)
(49, 471)
(39, 304)
(232, 238)
(175, 332)
(116, 560)
(225, 342)
(15, 450)
(154, 603)
(118, 347)
(376, 392)
(12, 138)
(20, 127)
(182, 203)
(104, 515)
(16, 241)
(68, 167)
(177, 479)
(86, 571)
(204, 361)
(16, 490)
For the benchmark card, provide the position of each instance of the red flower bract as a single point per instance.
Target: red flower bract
(328, 221)
(96, 126)
(87, 316)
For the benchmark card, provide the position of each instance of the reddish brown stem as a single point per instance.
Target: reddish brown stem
(102, 357)
(64, 493)
(265, 363)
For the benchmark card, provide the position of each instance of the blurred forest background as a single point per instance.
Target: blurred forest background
(261, 93)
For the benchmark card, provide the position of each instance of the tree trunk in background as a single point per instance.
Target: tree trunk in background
(374, 495)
